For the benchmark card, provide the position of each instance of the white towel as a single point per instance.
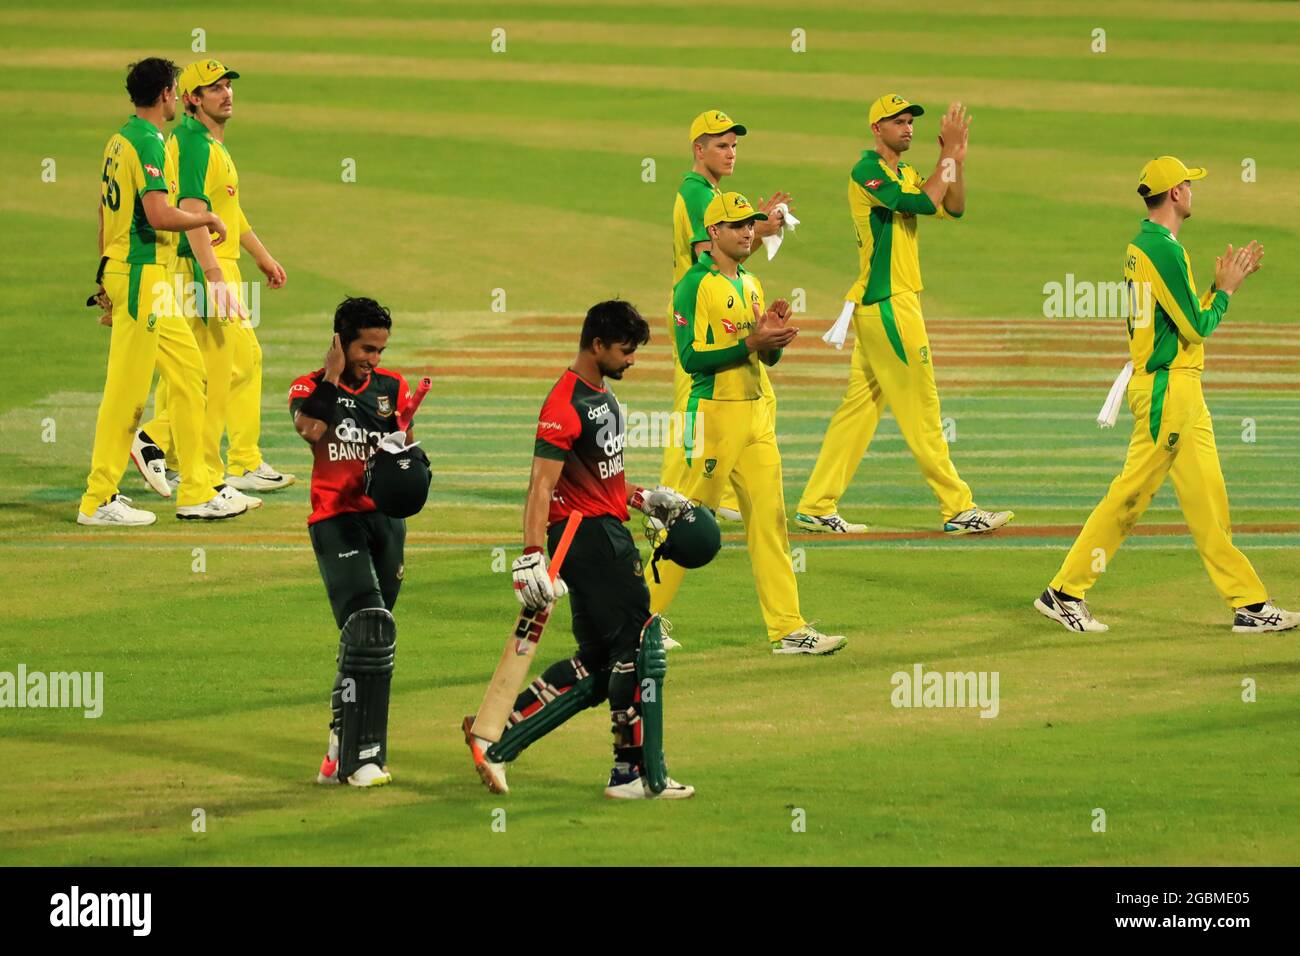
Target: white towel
(1110, 411)
(840, 330)
(773, 243)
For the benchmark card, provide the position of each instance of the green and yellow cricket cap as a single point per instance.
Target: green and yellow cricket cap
(730, 207)
(1161, 175)
(891, 104)
(202, 73)
(715, 123)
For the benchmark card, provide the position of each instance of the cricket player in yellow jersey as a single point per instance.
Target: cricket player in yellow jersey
(232, 356)
(137, 226)
(723, 332)
(713, 144)
(1172, 431)
(892, 363)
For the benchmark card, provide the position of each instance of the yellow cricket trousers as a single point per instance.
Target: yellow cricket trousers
(230, 356)
(148, 332)
(892, 367)
(673, 473)
(1172, 434)
(739, 449)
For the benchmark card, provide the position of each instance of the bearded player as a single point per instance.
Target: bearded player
(892, 363)
(231, 353)
(344, 411)
(1173, 434)
(578, 466)
(713, 147)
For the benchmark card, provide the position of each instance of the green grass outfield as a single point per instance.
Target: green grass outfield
(522, 171)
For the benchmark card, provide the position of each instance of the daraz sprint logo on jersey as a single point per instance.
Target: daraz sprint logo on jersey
(354, 444)
(611, 438)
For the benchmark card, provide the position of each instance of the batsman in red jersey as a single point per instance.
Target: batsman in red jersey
(578, 467)
(345, 411)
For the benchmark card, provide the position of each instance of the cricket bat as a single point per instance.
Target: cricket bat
(517, 657)
(405, 415)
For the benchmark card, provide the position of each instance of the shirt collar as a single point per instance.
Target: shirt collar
(1149, 226)
(692, 174)
(706, 259)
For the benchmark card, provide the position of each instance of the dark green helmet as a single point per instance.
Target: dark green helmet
(398, 484)
(692, 539)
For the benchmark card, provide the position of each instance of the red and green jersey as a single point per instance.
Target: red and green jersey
(361, 417)
(1167, 320)
(135, 163)
(582, 426)
(207, 172)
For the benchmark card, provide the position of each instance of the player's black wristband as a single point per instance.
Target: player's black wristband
(320, 403)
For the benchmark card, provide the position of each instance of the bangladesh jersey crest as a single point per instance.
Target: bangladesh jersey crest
(384, 405)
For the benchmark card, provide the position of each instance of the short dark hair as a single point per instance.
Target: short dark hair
(148, 79)
(1155, 200)
(614, 322)
(355, 314)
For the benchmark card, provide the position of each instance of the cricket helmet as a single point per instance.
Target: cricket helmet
(691, 539)
(398, 483)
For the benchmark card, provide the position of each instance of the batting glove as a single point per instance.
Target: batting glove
(661, 503)
(533, 586)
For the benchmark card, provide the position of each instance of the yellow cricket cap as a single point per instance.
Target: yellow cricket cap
(202, 73)
(1163, 174)
(891, 104)
(730, 207)
(715, 123)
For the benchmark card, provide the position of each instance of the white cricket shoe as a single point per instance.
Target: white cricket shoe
(630, 785)
(492, 773)
(173, 479)
(808, 640)
(832, 523)
(370, 775)
(1268, 618)
(214, 509)
(666, 629)
(265, 478)
(149, 460)
(367, 775)
(231, 494)
(117, 513)
(729, 514)
(977, 521)
(1072, 615)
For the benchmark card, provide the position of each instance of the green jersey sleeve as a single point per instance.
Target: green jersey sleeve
(696, 196)
(193, 162)
(153, 161)
(696, 354)
(885, 191)
(1177, 296)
